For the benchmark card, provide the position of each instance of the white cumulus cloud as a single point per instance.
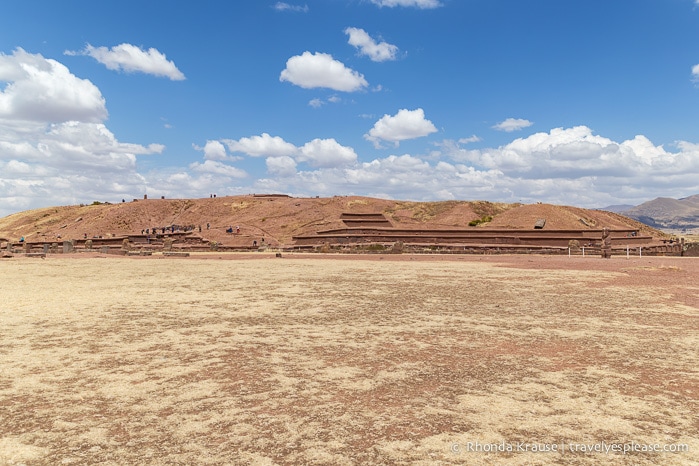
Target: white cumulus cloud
(469, 139)
(576, 166)
(76, 145)
(376, 51)
(316, 103)
(213, 150)
(68, 163)
(313, 70)
(283, 166)
(512, 124)
(262, 146)
(130, 58)
(406, 124)
(281, 157)
(218, 168)
(326, 153)
(44, 90)
(54, 146)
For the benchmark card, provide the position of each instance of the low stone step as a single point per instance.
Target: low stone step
(139, 253)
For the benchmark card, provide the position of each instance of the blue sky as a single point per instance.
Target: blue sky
(580, 103)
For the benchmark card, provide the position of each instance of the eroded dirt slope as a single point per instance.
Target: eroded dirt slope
(279, 218)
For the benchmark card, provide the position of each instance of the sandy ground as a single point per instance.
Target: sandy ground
(349, 360)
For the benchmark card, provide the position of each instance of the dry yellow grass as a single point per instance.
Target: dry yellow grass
(324, 361)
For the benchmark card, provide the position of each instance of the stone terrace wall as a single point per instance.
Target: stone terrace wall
(691, 250)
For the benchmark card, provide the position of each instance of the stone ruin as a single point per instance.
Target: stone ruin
(606, 244)
(574, 246)
(167, 244)
(397, 248)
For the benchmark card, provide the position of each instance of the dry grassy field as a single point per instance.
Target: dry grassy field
(368, 361)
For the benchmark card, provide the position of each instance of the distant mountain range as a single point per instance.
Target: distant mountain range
(664, 212)
(618, 209)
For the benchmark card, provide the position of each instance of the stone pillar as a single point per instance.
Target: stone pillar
(574, 246)
(125, 245)
(46, 248)
(68, 247)
(606, 244)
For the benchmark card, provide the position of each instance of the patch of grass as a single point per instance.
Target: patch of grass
(241, 205)
(423, 211)
(356, 202)
(478, 221)
(486, 208)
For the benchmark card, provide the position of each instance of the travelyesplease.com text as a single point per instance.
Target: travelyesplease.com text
(572, 447)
